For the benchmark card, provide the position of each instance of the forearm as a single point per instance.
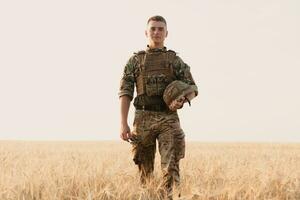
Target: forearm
(125, 104)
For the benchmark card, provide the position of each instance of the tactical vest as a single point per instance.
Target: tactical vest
(155, 72)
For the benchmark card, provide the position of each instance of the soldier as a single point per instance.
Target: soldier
(152, 71)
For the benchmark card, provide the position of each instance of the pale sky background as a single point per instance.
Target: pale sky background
(61, 63)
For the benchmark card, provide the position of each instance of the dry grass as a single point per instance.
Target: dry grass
(104, 170)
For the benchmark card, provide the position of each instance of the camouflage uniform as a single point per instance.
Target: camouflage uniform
(153, 120)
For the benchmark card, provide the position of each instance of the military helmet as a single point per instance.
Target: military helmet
(176, 89)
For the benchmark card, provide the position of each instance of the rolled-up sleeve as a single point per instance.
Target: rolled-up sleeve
(183, 73)
(127, 80)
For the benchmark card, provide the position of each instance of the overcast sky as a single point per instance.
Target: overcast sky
(61, 64)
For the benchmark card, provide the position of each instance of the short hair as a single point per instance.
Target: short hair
(157, 18)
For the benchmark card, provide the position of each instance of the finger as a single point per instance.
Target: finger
(175, 105)
(124, 136)
(171, 106)
(178, 105)
(127, 136)
(181, 99)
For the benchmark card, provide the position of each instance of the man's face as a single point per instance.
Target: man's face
(156, 32)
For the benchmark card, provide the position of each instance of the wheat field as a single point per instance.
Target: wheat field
(104, 170)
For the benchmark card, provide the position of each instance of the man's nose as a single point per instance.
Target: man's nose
(156, 30)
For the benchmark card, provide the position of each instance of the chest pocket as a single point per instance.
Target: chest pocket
(156, 84)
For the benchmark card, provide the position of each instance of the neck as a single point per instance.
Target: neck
(156, 45)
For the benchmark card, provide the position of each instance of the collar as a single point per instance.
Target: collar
(148, 49)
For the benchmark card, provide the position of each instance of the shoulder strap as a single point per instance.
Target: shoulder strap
(140, 85)
(171, 55)
(141, 55)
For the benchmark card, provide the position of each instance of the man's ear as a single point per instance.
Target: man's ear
(146, 33)
(167, 34)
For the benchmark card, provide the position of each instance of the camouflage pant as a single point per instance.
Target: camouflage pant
(150, 126)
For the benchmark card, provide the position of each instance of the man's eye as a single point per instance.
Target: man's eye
(152, 28)
(160, 28)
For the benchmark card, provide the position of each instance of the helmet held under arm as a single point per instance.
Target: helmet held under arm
(175, 90)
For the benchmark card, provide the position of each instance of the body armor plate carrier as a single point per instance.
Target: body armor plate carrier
(155, 72)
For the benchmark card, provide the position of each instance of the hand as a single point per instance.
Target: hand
(125, 132)
(177, 103)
